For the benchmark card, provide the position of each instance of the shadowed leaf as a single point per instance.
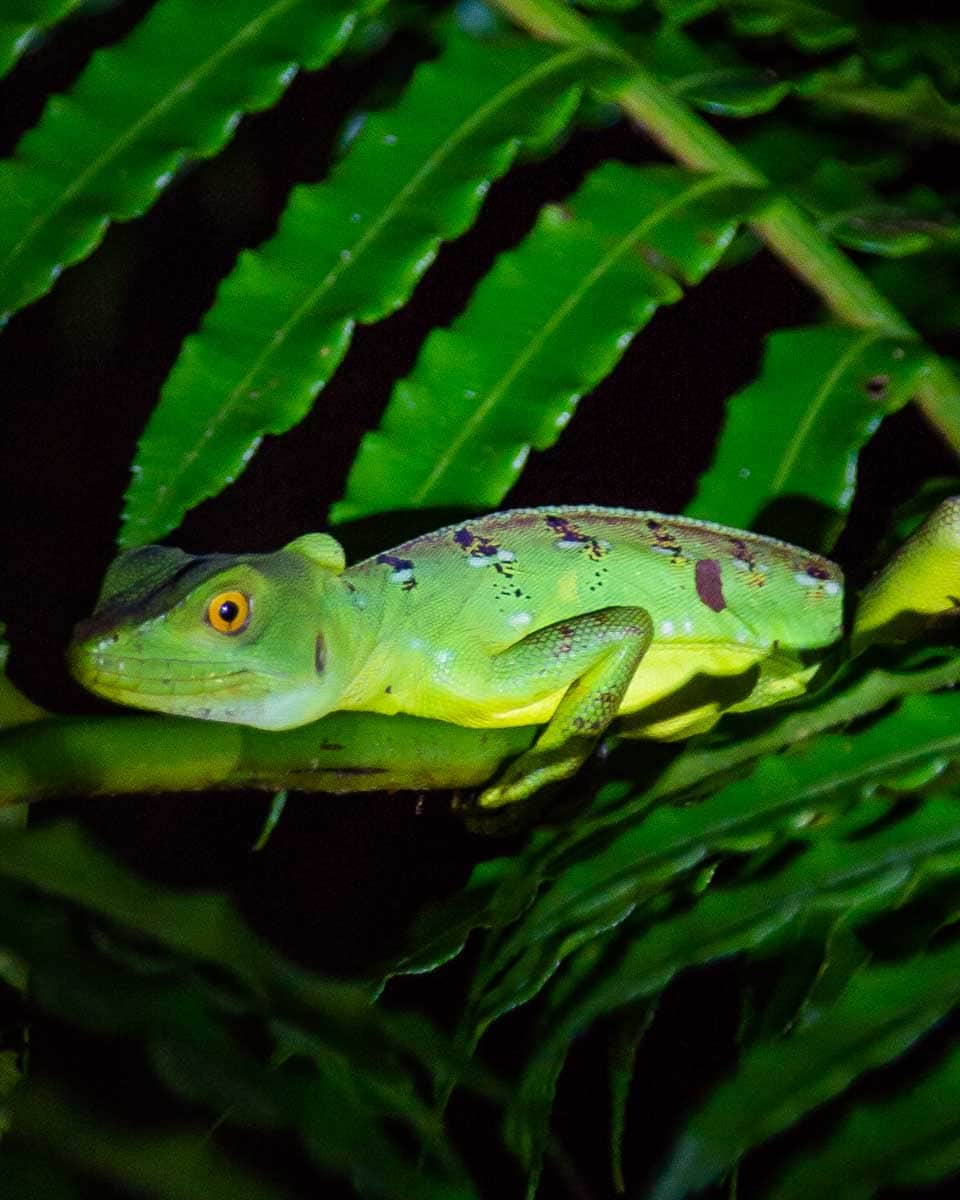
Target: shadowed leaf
(712, 81)
(855, 214)
(814, 27)
(907, 1141)
(857, 877)
(170, 1163)
(917, 104)
(926, 289)
(595, 886)
(882, 1011)
(174, 972)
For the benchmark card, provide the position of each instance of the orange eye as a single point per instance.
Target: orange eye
(229, 612)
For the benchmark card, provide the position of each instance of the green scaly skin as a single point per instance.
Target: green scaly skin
(560, 617)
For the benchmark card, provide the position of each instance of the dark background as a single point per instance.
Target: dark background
(79, 374)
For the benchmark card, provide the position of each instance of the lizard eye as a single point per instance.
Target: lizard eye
(229, 612)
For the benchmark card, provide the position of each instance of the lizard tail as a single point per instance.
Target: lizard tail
(920, 583)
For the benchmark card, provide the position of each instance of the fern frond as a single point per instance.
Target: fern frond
(348, 250)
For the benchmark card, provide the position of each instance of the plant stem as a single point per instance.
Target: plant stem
(344, 752)
(846, 291)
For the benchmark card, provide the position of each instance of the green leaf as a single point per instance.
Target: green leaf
(907, 1141)
(857, 216)
(682, 12)
(15, 708)
(62, 862)
(814, 27)
(798, 429)
(716, 81)
(440, 930)
(348, 250)
(628, 1035)
(893, 231)
(881, 1013)
(896, 50)
(549, 321)
(610, 5)
(926, 289)
(734, 92)
(917, 104)
(853, 877)
(171, 92)
(21, 28)
(169, 1163)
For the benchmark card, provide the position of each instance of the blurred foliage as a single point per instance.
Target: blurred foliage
(814, 850)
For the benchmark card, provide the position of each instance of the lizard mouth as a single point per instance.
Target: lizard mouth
(123, 677)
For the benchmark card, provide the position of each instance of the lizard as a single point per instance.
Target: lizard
(563, 617)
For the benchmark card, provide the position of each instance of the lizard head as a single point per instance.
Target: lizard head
(234, 638)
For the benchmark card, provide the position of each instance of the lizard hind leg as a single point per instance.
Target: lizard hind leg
(596, 655)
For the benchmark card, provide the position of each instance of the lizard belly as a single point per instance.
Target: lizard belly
(679, 689)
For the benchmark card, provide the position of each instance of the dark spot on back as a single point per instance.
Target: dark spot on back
(320, 655)
(398, 564)
(877, 386)
(709, 584)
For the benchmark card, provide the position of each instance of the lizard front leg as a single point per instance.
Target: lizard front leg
(596, 654)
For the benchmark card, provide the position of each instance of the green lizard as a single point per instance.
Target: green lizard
(562, 617)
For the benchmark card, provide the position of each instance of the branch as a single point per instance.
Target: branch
(345, 752)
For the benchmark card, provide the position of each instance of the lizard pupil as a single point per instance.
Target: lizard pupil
(229, 611)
